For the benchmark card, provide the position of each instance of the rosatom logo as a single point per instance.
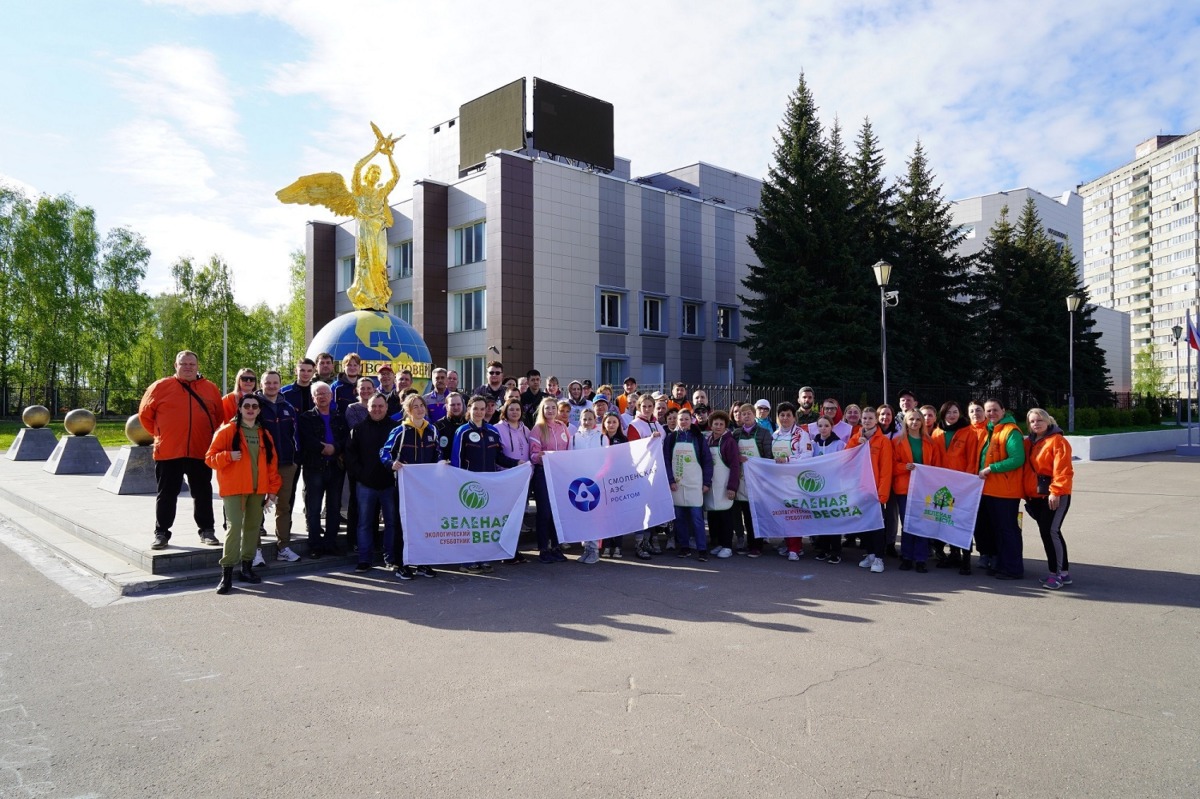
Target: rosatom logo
(584, 494)
(810, 482)
(472, 496)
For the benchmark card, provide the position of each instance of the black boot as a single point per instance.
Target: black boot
(226, 583)
(247, 575)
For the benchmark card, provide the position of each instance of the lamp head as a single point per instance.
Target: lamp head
(883, 272)
(1073, 302)
(1177, 331)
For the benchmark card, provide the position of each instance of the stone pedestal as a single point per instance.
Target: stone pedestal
(32, 444)
(78, 455)
(131, 473)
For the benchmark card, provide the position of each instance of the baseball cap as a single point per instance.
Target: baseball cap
(762, 403)
(386, 367)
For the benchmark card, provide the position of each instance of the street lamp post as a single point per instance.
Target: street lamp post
(1073, 303)
(883, 273)
(1177, 331)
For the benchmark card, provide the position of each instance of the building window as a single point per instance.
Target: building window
(346, 273)
(469, 244)
(654, 314)
(467, 311)
(470, 373)
(403, 310)
(691, 319)
(402, 264)
(613, 369)
(727, 323)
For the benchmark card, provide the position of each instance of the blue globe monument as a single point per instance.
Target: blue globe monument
(378, 338)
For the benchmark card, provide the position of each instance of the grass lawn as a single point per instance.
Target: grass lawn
(111, 432)
(1103, 431)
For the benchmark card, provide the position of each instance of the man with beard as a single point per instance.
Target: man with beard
(807, 411)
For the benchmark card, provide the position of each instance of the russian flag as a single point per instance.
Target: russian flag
(1192, 336)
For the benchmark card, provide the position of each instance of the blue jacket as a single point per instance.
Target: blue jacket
(279, 417)
(478, 449)
(408, 445)
(299, 396)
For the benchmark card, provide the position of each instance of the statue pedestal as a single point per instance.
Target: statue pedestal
(32, 444)
(78, 455)
(131, 473)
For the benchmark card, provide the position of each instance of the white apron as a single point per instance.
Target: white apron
(716, 498)
(747, 448)
(689, 477)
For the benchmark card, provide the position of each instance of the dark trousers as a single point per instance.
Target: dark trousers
(828, 543)
(999, 515)
(912, 547)
(169, 477)
(741, 513)
(547, 536)
(1049, 524)
(323, 485)
(720, 527)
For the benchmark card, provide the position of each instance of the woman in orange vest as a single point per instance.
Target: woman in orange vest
(1001, 467)
(244, 459)
(957, 443)
(881, 464)
(1048, 490)
(914, 447)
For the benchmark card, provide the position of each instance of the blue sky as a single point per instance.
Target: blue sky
(180, 118)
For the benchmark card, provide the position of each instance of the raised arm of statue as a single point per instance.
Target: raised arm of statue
(356, 185)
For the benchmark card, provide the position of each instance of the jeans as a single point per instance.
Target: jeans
(169, 476)
(368, 500)
(323, 485)
(912, 547)
(999, 515)
(690, 522)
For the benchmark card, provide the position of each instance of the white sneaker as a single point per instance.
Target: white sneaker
(793, 556)
(724, 552)
(877, 565)
(258, 559)
(782, 551)
(616, 553)
(286, 554)
(866, 562)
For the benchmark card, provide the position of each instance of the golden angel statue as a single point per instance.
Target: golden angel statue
(367, 202)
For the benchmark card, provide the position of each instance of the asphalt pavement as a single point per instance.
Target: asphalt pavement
(738, 677)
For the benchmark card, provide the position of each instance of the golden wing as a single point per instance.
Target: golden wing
(324, 188)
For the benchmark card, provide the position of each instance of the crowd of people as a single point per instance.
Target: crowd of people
(340, 429)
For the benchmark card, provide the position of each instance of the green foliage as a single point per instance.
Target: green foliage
(1108, 417)
(1140, 416)
(1021, 289)
(1087, 418)
(1149, 376)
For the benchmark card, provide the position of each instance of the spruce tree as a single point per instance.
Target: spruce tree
(799, 327)
(932, 322)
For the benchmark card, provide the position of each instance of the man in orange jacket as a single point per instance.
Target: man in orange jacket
(182, 412)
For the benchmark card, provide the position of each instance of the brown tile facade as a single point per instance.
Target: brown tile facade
(430, 259)
(510, 261)
(320, 283)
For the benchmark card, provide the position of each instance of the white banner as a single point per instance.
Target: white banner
(942, 504)
(608, 491)
(831, 495)
(451, 515)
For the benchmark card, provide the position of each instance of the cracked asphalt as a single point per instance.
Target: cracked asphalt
(732, 678)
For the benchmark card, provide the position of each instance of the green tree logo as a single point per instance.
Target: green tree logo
(810, 482)
(473, 496)
(942, 498)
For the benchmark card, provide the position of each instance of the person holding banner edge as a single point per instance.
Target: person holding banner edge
(548, 435)
(1001, 462)
(413, 441)
(476, 448)
(727, 475)
(957, 442)
(1048, 491)
(791, 442)
(910, 449)
(881, 464)
(644, 425)
(753, 441)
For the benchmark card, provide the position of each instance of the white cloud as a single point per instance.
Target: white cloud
(166, 167)
(185, 85)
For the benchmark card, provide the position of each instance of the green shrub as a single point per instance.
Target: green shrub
(1087, 418)
(1125, 418)
(1139, 416)
(1060, 416)
(1108, 417)
(1155, 410)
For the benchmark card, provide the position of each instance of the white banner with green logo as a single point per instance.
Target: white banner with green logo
(608, 491)
(451, 515)
(942, 504)
(831, 495)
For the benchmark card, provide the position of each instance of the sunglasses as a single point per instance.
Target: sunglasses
(495, 373)
(248, 405)
(248, 378)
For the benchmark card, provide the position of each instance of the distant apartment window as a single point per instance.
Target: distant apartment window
(403, 310)
(346, 273)
(470, 372)
(467, 311)
(967, 231)
(402, 263)
(691, 319)
(610, 309)
(469, 244)
(654, 314)
(613, 370)
(727, 323)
